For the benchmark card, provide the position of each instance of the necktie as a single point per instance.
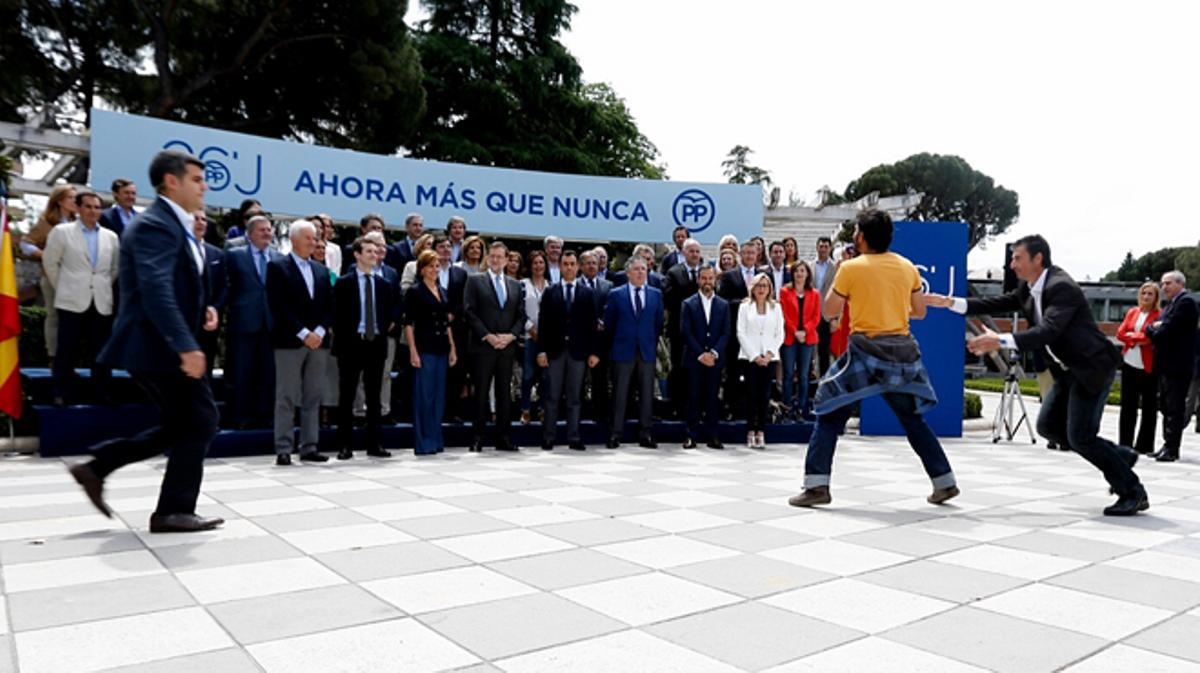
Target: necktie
(693, 272)
(749, 276)
(570, 294)
(500, 296)
(262, 265)
(637, 300)
(369, 310)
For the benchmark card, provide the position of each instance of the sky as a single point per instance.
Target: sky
(1088, 110)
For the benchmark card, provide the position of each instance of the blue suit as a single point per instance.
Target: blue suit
(704, 335)
(250, 370)
(633, 348)
(164, 295)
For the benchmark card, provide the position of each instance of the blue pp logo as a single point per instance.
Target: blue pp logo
(218, 171)
(694, 209)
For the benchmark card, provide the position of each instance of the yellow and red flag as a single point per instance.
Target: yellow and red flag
(10, 324)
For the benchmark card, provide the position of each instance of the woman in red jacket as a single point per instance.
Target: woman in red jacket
(1139, 384)
(801, 314)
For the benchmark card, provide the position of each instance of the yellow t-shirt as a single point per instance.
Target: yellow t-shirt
(879, 289)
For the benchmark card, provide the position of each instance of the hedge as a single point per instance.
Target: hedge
(1029, 387)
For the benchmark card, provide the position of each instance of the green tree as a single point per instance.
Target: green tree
(1152, 265)
(504, 91)
(1188, 261)
(953, 191)
(739, 170)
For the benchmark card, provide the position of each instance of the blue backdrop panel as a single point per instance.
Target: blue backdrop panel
(939, 249)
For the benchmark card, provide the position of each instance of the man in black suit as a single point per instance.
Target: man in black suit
(366, 224)
(164, 305)
(366, 310)
(214, 258)
(776, 269)
(678, 236)
(1082, 360)
(599, 376)
(453, 281)
(495, 313)
(402, 253)
(733, 288)
(567, 344)
(250, 361)
(1174, 339)
(681, 283)
(122, 212)
(704, 330)
(301, 300)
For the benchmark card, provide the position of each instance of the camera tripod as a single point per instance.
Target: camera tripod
(1007, 423)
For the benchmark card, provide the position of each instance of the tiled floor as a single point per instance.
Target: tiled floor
(623, 561)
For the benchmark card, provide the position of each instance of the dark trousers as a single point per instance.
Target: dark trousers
(75, 330)
(456, 407)
(564, 376)
(1071, 415)
(362, 358)
(641, 372)
(429, 403)
(735, 386)
(704, 386)
(1173, 390)
(758, 394)
(250, 378)
(677, 380)
(600, 377)
(1139, 391)
(187, 425)
(824, 338)
(494, 369)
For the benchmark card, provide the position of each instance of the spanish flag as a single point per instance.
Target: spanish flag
(10, 324)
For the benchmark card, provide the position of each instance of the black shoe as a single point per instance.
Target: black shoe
(283, 459)
(612, 443)
(1129, 505)
(547, 446)
(1052, 445)
(345, 454)
(689, 443)
(379, 453)
(715, 444)
(476, 446)
(1167, 455)
(314, 457)
(647, 443)
(182, 523)
(93, 486)
(578, 446)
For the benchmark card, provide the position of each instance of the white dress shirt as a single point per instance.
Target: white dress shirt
(188, 221)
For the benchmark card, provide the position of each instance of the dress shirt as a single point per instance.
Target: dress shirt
(706, 304)
(820, 269)
(455, 251)
(552, 273)
(125, 215)
(444, 277)
(1133, 357)
(1008, 340)
(260, 261)
(747, 275)
(362, 299)
(91, 236)
(188, 221)
(497, 281)
(777, 276)
(307, 272)
(634, 296)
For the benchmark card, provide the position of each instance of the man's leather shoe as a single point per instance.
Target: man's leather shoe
(283, 459)
(817, 495)
(547, 446)
(689, 443)
(941, 495)
(1129, 505)
(476, 446)
(1052, 445)
(182, 523)
(314, 457)
(345, 454)
(715, 444)
(647, 443)
(1166, 455)
(578, 446)
(379, 453)
(93, 486)
(612, 443)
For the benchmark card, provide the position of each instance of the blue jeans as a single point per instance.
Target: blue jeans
(531, 374)
(1070, 415)
(819, 463)
(797, 359)
(429, 403)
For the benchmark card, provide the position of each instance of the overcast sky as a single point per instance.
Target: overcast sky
(1088, 110)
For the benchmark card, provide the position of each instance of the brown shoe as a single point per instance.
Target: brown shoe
(93, 486)
(817, 495)
(941, 495)
(182, 523)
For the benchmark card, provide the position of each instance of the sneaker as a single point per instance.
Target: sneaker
(817, 495)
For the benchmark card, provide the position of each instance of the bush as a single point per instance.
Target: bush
(1029, 388)
(32, 342)
(972, 406)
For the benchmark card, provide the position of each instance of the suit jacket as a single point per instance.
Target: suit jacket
(573, 328)
(793, 320)
(653, 279)
(484, 315)
(599, 293)
(732, 288)
(1131, 338)
(669, 261)
(163, 295)
(246, 293)
(110, 219)
(218, 290)
(1175, 340)
(347, 309)
(701, 335)
(398, 254)
(755, 338)
(787, 277)
(292, 309)
(678, 287)
(1067, 328)
(826, 284)
(631, 336)
(454, 293)
(77, 283)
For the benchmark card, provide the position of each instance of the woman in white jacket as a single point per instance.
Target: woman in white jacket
(760, 335)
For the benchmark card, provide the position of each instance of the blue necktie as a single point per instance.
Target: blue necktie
(262, 265)
(369, 310)
(500, 296)
(637, 300)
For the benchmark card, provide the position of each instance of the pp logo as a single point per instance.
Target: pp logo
(694, 209)
(217, 173)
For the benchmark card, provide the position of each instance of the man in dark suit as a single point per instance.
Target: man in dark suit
(681, 283)
(704, 330)
(389, 275)
(633, 320)
(163, 307)
(402, 253)
(301, 300)
(678, 236)
(122, 212)
(495, 313)
(453, 281)
(367, 224)
(733, 288)
(777, 270)
(1082, 360)
(366, 308)
(250, 370)
(824, 271)
(214, 258)
(567, 343)
(1174, 339)
(599, 379)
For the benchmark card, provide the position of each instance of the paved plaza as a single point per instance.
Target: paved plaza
(623, 561)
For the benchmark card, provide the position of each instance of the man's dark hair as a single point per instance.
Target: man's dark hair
(1034, 244)
(824, 239)
(171, 162)
(119, 184)
(774, 244)
(438, 239)
(366, 219)
(678, 227)
(357, 245)
(877, 228)
(568, 253)
(87, 195)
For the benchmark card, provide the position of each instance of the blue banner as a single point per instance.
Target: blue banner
(939, 249)
(290, 177)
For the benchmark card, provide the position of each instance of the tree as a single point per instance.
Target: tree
(503, 91)
(1152, 265)
(953, 191)
(739, 171)
(1188, 262)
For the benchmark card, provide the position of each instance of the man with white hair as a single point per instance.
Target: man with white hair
(301, 300)
(1174, 339)
(653, 278)
(601, 262)
(553, 246)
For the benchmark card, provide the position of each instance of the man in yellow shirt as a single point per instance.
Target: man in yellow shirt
(884, 291)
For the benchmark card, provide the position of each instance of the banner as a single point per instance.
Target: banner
(939, 249)
(299, 179)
